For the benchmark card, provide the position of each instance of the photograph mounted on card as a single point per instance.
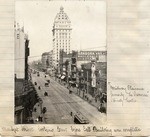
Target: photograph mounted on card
(60, 62)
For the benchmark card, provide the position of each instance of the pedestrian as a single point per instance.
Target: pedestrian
(102, 109)
(44, 110)
(40, 118)
(39, 87)
(45, 94)
(35, 109)
(70, 91)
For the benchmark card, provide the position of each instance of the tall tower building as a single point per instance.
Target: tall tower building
(61, 35)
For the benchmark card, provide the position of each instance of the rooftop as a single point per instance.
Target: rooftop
(62, 16)
(45, 53)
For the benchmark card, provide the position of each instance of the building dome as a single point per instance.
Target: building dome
(61, 8)
(62, 16)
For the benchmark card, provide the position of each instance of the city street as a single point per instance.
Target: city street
(60, 103)
(60, 76)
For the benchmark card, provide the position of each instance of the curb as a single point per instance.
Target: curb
(77, 95)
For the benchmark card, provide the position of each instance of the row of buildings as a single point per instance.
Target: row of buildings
(84, 69)
(25, 93)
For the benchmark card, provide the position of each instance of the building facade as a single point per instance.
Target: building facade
(64, 61)
(94, 77)
(25, 94)
(50, 59)
(21, 53)
(61, 35)
(74, 67)
(89, 63)
(45, 60)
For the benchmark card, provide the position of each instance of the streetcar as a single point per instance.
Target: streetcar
(80, 119)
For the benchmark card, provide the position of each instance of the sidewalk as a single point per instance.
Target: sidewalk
(87, 97)
(36, 114)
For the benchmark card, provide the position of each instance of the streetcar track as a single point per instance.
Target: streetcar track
(62, 103)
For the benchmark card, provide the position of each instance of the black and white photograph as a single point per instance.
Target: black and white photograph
(60, 62)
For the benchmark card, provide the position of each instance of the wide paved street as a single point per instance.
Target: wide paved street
(60, 103)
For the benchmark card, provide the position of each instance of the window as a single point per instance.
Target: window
(17, 36)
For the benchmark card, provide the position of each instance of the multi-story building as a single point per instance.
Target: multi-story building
(25, 95)
(94, 77)
(50, 59)
(75, 61)
(64, 61)
(27, 53)
(74, 67)
(61, 35)
(45, 60)
(21, 54)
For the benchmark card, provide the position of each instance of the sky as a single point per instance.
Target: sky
(88, 21)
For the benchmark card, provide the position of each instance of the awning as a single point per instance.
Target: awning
(62, 77)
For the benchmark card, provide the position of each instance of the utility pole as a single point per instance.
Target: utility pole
(87, 80)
